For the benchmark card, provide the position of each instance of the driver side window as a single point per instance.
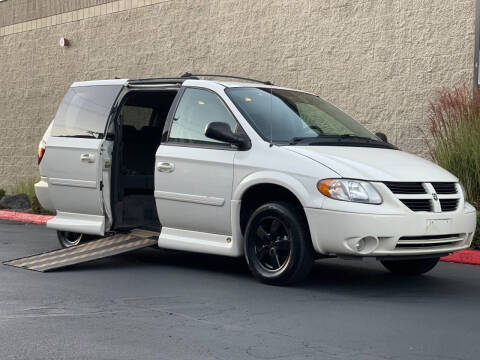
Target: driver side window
(196, 110)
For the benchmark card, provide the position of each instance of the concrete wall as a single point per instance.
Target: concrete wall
(379, 60)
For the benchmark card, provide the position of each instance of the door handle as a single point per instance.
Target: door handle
(90, 158)
(165, 167)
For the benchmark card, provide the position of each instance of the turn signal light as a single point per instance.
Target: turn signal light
(324, 187)
(41, 150)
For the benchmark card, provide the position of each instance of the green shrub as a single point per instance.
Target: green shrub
(27, 187)
(476, 239)
(455, 139)
(2, 193)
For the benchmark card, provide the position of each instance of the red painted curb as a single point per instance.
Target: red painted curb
(471, 257)
(25, 217)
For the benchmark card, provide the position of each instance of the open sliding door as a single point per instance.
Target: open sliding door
(73, 160)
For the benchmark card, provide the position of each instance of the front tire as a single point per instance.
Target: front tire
(410, 267)
(278, 247)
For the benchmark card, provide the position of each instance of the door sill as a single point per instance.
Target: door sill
(195, 241)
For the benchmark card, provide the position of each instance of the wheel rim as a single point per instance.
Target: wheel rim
(273, 244)
(71, 238)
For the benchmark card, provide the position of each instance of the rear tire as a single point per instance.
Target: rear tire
(410, 267)
(69, 239)
(278, 247)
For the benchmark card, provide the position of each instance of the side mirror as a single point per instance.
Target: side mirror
(382, 136)
(221, 131)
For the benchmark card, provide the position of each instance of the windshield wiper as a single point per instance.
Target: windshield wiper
(340, 140)
(350, 136)
(320, 137)
(298, 139)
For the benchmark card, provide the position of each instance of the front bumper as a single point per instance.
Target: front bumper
(336, 232)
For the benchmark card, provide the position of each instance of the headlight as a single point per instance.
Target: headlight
(349, 190)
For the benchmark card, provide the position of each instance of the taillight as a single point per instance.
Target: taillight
(41, 150)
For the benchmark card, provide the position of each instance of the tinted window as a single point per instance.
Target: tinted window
(284, 115)
(196, 110)
(84, 111)
(136, 116)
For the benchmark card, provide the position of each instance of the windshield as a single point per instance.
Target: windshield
(286, 116)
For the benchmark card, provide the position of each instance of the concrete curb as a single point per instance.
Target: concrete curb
(470, 257)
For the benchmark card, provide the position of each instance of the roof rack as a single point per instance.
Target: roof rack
(170, 80)
(188, 75)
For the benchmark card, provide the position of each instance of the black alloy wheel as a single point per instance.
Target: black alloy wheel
(273, 244)
(278, 248)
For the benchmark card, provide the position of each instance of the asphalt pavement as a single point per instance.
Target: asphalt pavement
(152, 304)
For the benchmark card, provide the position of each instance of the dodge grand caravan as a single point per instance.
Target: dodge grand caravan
(277, 175)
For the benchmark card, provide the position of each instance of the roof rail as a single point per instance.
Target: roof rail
(188, 75)
(169, 80)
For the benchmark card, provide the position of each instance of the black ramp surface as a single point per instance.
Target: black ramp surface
(112, 245)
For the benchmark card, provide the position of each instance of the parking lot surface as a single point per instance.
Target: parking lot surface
(153, 304)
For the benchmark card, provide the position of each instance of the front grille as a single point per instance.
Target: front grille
(418, 204)
(449, 204)
(445, 187)
(431, 197)
(430, 241)
(420, 245)
(405, 187)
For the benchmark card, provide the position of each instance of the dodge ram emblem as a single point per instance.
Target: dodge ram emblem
(435, 197)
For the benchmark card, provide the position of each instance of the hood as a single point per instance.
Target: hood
(375, 164)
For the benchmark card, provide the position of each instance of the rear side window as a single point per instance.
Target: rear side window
(84, 111)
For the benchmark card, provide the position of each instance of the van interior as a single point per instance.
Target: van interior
(138, 133)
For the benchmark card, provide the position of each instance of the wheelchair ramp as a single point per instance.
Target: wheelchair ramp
(98, 249)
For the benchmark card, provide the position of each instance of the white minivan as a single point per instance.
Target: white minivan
(277, 175)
